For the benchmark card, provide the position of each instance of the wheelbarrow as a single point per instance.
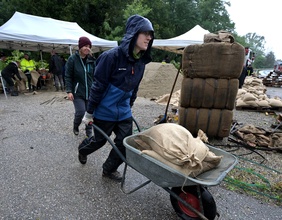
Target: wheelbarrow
(189, 196)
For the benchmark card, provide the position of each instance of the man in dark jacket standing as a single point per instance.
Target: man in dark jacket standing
(56, 68)
(117, 76)
(9, 73)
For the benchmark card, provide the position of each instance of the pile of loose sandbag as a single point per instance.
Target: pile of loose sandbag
(210, 84)
(255, 136)
(253, 95)
(176, 147)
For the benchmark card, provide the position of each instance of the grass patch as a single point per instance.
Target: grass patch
(257, 181)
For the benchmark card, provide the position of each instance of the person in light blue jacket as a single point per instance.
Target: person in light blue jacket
(117, 76)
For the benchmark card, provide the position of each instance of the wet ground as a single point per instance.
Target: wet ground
(41, 177)
(274, 91)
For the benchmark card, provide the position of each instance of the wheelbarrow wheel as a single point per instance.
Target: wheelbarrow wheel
(191, 197)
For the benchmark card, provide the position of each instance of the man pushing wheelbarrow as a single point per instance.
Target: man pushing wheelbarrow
(117, 76)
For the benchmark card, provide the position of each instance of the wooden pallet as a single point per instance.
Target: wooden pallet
(270, 85)
(259, 109)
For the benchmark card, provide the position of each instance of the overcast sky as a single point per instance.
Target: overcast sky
(260, 17)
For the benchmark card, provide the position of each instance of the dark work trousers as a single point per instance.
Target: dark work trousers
(121, 129)
(28, 76)
(59, 82)
(8, 79)
(80, 106)
(242, 77)
(9, 83)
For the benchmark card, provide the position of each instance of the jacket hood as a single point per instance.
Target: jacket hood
(134, 25)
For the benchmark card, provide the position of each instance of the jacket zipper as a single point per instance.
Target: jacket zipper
(85, 78)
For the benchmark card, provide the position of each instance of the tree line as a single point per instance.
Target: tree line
(170, 18)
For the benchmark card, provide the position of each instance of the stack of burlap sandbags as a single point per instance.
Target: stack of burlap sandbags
(253, 95)
(210, 84)
(175, 146)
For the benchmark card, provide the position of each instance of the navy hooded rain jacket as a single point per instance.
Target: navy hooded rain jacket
(118, 75)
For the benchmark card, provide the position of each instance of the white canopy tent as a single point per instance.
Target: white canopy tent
(34, 33)
(177, 44)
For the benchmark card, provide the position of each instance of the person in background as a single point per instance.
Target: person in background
(244, 70)
(56, 68)
(79, 77)
(64, 69)
(2, 61)
(27, 65)
(117, 76)
(9, 73)
(166, 59)
(250, 68)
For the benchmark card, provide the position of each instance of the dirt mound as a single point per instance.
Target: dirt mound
(158, 80)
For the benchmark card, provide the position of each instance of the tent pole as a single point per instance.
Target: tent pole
(70, 50)
(41, 58)
(3, 86)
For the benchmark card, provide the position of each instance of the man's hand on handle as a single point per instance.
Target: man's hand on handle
(87, 118)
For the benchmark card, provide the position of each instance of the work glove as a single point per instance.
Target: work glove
(87, 118)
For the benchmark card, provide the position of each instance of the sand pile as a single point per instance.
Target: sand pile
(158, 80)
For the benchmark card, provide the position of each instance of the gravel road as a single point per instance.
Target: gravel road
(41, 177)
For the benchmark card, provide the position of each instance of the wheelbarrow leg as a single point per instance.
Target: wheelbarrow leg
(136, 188)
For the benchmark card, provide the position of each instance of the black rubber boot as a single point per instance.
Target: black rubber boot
(13, 92)
(116, 176)
(75, 131)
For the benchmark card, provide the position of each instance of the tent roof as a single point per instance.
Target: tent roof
(34, 33)
(177, 44)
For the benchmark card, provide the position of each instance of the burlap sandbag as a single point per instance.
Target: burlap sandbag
(262, 140)
(214, 122)
(221, 36)
(240, 103)
(141, 145)
(249, 97)
(259, 81)
(211, 161)
(263, 103)
(211, 93)
(174, 99)
(251, 129)
(252, 103)
(250, 138)
(34, 77)
(263, 97)
(213, 60)
(176, 144)
(275, 141)
(275, 102)
(21, 85)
